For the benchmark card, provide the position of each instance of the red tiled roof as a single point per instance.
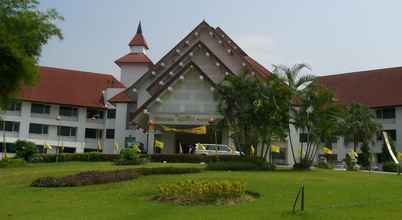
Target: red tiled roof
(70, 87)
(134, 58)
(138, 40)
(374, 88)
(121, 97)
(258, 68)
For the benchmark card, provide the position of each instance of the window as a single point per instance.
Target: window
(14, 107)
(110, 133)
(66, 131)
(303, 137)
(93, 133)
(385, 113)
(94, 113)
(391, 135)
(10, 126)
(111, 113)
(68, 111)
(40, 108)
(38, 128)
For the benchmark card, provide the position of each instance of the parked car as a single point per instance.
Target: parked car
(215, 149)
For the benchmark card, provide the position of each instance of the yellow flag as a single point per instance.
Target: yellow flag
(353, 154)
(275, 149)
(327, 150)
(116, 147)
(47, 146)
(98, 146)
(399, 156)
(200, 146)
(199, 130)
(62, 148)
(136, 148)
(252, 150)
(159, 144)
(180, 148)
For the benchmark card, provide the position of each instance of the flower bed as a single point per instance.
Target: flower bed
(194, 192)
(100, 177)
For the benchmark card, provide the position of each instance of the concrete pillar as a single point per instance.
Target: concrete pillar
(151, 139)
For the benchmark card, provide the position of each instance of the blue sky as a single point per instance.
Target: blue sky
(332, 36)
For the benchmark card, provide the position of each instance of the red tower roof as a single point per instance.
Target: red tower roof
(138, 39)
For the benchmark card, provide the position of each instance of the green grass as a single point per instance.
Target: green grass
(329, 195)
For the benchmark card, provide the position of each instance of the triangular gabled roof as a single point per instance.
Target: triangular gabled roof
(134, 57)
(121, 97)
(138, 39)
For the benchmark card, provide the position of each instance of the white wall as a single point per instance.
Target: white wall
(130, 73)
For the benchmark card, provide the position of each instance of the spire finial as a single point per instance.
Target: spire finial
(139, 28)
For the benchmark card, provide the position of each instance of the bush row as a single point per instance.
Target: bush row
(240, 165)
(390, 167)
(201, 191)
(6, 163)
(90, 156)
(194, 158)
(100, 177)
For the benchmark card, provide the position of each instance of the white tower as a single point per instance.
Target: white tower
(136, 62)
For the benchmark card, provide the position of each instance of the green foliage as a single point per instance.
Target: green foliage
(12, 163)
(25, 149)
(255, 109)
(65, 157)
(23, 32)
(194, 158)
(131, 156)
(101, 177)
(240, 165)
(390, 167)
(359, 125)
(189, 192)
(364, 157)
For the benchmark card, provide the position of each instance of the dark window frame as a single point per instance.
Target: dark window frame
(93, 133)
(68, 111)
(35, 128)
(110, 133)
(37, 108)
(16, 106)
(386, 113)
(111, 113)
(97, 113)
(66, 131)
(10, 126)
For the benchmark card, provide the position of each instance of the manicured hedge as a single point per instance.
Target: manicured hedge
(240, 165)
(6, 163)
(193, 158)
(390, 167)
(90, 156)
(100, 177)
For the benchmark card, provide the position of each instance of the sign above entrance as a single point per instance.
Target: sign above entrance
(196, 130)
(187, 119)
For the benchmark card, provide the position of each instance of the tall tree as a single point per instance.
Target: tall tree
(24, 29)
(318, 114)
(296, 82)
(359, 125)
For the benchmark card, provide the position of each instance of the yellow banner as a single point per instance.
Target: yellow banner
(159, 144)
(275, 149)
(196, 130)
(327, 150)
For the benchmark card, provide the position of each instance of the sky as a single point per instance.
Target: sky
(331, 36)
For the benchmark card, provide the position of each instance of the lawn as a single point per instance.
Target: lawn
(329, 195)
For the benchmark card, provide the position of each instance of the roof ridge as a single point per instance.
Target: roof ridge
(362, 71)
(78, 71)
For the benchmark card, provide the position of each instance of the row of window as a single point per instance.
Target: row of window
(385, 113)
(68, 111)
(10, 126)
(67, 131)
(303, 137)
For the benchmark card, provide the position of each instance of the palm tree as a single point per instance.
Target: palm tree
(296, 83)
(359, 125)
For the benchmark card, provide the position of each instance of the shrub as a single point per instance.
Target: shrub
(100, 177)
(90, 156)
(325, 165)
(240, 165)
(131, 156)
(5, 163)
(195, 158)
(25, 149)
(201, 191)
(390, 167)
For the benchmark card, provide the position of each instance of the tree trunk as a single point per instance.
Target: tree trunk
(291, 145)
